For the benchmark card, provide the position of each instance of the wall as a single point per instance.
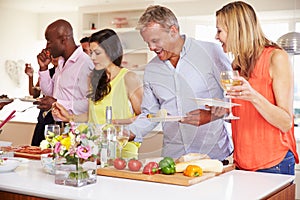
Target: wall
(22, 38)
(18, 39)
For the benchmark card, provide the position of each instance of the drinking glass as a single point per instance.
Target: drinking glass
(122, 136)
(229, 79)
(51, 130)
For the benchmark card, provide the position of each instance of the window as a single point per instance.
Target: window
(274, 30)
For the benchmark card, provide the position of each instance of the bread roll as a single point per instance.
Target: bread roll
(207, 165)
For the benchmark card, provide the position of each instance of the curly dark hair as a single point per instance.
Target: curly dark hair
(110, 42)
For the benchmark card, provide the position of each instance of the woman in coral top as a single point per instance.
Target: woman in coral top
(263, 137)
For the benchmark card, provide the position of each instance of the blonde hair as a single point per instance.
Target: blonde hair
(160, 15)
(245, 38)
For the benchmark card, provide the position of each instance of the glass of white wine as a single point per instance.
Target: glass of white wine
(229, 79)
(51, 130)
(122, 136)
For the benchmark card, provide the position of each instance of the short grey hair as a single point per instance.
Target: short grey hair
(160, 15)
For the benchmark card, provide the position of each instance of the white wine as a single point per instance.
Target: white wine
(122, 140)
(227, 83)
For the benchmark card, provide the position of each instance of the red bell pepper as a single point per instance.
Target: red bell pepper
(151, 168)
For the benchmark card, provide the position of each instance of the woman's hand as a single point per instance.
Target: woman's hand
(243, 91)
(60, 112)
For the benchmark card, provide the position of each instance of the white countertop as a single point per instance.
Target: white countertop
(29, 179)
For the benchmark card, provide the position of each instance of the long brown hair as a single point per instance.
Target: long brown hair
(110, 42)
(245, 38)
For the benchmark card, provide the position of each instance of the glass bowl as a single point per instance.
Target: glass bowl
(48, 163)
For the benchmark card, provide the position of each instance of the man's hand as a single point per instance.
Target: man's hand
(45, 103)
(44, 58)
(199, 117)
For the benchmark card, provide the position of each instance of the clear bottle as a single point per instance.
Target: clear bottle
(109, 143)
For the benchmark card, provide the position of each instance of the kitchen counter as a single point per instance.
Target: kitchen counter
(29, 179)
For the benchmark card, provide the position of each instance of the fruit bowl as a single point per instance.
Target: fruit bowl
(48, 163)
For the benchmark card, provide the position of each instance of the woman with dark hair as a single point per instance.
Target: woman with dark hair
(111, 84)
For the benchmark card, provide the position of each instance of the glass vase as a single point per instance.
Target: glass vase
(75, 174)
(76, 155)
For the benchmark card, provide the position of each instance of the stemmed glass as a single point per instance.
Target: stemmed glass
(229, 79)
(122, 136)
(51, 130)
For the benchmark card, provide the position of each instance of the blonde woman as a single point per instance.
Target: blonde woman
(263, 137)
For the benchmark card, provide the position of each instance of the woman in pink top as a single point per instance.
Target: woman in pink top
(263, 137)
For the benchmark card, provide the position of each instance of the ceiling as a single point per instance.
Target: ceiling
(43, 6)
(38, 6)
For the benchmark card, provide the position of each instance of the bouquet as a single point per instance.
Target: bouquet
(76, 145)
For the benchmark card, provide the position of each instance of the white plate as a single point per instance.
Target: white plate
(22, 160)
(9, 165)
(5, 100)
(214, 102)
(166, 119)
(28, 99)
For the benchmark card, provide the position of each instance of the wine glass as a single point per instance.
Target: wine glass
(122, 136)
(229, 79)
(51, 130)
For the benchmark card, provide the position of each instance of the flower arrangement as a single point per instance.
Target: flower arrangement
(75, 152)
(76, 144)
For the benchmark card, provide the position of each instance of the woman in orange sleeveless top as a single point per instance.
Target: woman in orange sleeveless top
(263, 137)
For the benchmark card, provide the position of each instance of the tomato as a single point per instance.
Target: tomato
(119, 163)
(134, 165)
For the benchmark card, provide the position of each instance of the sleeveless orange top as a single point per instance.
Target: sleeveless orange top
(257, 143)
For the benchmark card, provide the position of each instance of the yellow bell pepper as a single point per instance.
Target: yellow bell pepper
(193, 171)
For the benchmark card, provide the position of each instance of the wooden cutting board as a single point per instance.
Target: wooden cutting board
(176, 179)
(28, 155)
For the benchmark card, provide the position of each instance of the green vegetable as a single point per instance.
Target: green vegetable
(167, 166)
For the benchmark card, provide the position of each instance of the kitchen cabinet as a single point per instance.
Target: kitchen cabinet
(123, 20)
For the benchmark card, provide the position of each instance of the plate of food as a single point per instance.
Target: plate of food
(162, 116)
(214, 102)
(4, 99)
(28, 99)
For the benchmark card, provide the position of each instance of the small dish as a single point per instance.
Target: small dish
(22, 160)
(28, 99)
(6, 100)
(214, 102)
(48, 163)
(166, 119)
(9, 165)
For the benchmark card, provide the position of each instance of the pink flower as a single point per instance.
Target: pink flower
(84, 152)
(57, 147)
(83, 136)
